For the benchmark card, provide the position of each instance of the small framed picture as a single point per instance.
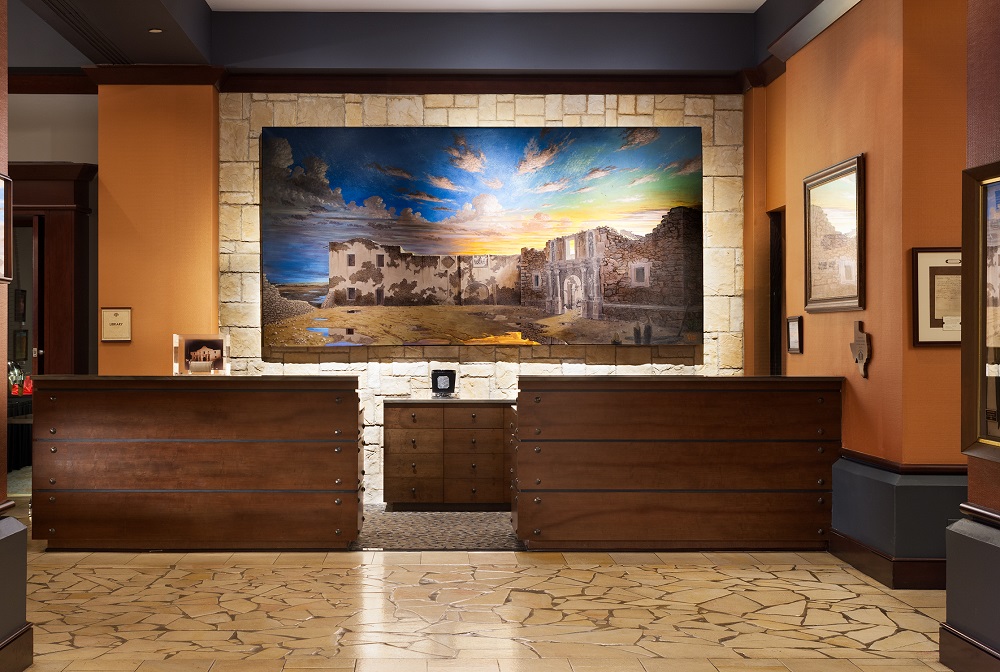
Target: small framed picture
(201, 354)
(937, 295)
(443, 382)
(793, 334)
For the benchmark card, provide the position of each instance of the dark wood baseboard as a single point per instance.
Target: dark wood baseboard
(896, 573)
(17, 651)
(964, 654)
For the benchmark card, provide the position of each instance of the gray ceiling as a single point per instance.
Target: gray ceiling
(58, 34)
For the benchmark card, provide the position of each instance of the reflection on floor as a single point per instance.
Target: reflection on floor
(19, 482)
(474, 611)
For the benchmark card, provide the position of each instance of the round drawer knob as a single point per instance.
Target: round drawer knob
(537, 531)
(52, 530)
(820, 431)
(413, 464)
(473, 465)
(53, 449)
(413, 490)
(413, 442)
(820, 481)
(819, 501)
(413, 416)
(538, 500)
(52, 481)
(337, 400)
(819, 400)
(52, 398)
(337, 501)
(337, 482)
(337, 449)
(473, 491)
(337, 532)
(538, 449)
(52, 499)
(473, 441)
(473, 416)
(538, 481)
(538, 430)
(820, 449)
(819, 531)
(52, 430)
(538, 400)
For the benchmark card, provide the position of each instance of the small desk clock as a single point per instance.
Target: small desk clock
(443, 382)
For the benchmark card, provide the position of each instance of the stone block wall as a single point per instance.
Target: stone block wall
(483, 371)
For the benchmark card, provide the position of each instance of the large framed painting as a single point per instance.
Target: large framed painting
(501, 236)
(835, 237)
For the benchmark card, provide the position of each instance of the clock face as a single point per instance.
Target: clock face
(442, 382)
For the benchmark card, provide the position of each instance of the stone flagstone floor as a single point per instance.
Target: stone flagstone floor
(478, 611)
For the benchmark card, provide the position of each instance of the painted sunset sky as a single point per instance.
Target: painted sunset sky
(463, 190)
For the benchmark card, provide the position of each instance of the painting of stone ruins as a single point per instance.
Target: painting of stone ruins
(502, 236)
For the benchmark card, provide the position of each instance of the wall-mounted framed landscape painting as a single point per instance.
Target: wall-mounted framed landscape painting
(835, 237)
(480, 236)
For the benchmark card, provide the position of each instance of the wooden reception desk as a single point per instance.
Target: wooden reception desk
(196, 462)
(675, 462)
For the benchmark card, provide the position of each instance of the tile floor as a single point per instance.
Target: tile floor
(473, 611)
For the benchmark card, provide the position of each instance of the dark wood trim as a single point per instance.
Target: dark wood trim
(43, 80)
(964, 654)
(904, 468)
(896, 573)
(9, 504)
(809, 26)
(980, 514)
(17, 651)
(765, 73)
(155, 74)
(414, 84)
(51, 170)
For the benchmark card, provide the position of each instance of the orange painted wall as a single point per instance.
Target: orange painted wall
(158, 248)
(886, 80)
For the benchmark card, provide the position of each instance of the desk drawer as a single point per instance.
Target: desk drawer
(406, 441)
(413, 417)
(404, 490)
(489, 465)
(475, 490)
(473, 440)
(418, 465)
(485, 417)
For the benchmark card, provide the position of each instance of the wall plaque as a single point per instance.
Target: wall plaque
(116, 324)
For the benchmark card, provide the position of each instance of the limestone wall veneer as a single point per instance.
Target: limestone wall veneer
(484, 372)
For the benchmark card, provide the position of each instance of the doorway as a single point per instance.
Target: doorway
(776, 307)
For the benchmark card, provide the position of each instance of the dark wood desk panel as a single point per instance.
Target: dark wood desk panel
(675, 462)
(197, 462)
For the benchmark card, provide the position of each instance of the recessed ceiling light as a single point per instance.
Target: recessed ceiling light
(155, 31)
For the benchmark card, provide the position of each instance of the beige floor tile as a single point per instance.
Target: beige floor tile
(61, 558)
(919, 598)
(104, 665)
(47, 667)
(155, 559)
(350, 558)
(205, 558)
(606, 664)
(106, 559)
(300, 559)
(391, 665)
(492, 558)
(775, 558)
(577, 559)
(396, 558)
(463, 665)
(635, 558)
(444, 558)
(682, 558)
(319, 663)
(247, 666)
(678, 665)
(534, 558)
(795, 665)
(727, 558)
(175, 666)
(535, 665)
(251, 559)
(891, 666)
(819, 558)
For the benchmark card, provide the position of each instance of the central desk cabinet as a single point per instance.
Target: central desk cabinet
(666, 462)
(456, 452)
(197, 462)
